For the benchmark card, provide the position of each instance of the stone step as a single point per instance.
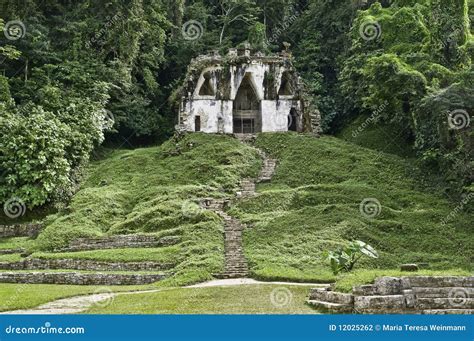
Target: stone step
(233, 275)
(444, 303)
(439, 281)
(322, 294)
(362, 303)
(331, 307)
(446, 292)
(74, 278)
(82, 264)
(448, 312)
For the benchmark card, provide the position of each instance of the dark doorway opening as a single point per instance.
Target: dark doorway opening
(244, 125)
(197, 123)
(292, 120)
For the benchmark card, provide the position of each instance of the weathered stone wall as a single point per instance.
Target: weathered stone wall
(120, 241)
(225, 75)
(392, 295)
(78, 278)
(20, 230)
(82, 264)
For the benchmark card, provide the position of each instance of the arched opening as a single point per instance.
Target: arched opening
(246, 115)
(286, 87)
(292, 120)
(206, 88)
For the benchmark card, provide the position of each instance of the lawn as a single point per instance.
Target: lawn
(245, 299)
(23, 296)
(16, 243)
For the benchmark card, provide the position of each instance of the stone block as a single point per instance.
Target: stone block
(410, 298)
(383, 302)
(388, 286)
(409, 267)
(364, 290)
(439, 281)
(444, 303)
(331, 296)
(430, 292)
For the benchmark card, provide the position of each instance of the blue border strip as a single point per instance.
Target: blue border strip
(239, 327)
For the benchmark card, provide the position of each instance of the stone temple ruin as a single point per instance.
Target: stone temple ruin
(245, 93)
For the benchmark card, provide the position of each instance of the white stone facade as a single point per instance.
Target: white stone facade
(241, 93)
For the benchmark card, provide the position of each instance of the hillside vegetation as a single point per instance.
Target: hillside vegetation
(155, 190)
(311, 205)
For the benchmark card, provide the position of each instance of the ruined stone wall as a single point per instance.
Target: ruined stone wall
(120, 241)
(20, 230)
(405, 295)
(78, 278)
(226, 75)
(82, 264)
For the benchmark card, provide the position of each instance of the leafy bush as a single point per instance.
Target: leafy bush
(344, 258)
(43, 149)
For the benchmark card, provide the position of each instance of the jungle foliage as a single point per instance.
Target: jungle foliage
(86, 72)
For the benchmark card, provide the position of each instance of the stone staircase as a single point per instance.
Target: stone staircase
(235, 263)
(268, 168)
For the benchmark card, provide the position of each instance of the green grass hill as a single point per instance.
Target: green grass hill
(311, 205)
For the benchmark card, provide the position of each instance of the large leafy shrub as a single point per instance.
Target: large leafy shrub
(344, 258)
(43, 149)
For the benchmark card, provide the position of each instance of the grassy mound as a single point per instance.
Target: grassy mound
(154, 190)
(313, 202)
(311, 205)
